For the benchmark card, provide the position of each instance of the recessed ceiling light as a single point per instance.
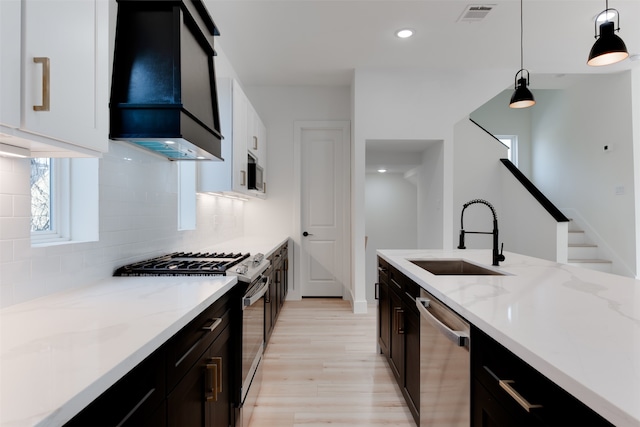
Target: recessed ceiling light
(382, 170)
(405, 33)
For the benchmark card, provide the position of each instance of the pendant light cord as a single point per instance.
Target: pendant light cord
(522, 37)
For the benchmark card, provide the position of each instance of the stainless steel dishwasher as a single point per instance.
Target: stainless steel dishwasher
(444, 365)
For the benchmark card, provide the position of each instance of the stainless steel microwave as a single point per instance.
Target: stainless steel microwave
(256, 177)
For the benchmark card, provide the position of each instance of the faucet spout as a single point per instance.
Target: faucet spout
(497, 256)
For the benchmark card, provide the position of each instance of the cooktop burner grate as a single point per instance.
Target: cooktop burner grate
(184, 264)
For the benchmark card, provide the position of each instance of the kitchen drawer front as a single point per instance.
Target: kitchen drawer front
(186, 347)
(191, 402)
(137, 399)
(504, 376)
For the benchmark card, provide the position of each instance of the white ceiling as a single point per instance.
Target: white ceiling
(395, 156)
(321, 42)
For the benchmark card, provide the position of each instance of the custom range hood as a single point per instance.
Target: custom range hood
(163, 90)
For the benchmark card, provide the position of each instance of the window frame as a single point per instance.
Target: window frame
(74, 192)
(511, 141)
(59, 205)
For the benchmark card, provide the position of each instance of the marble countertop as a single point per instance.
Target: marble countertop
(265, 245)
(578, 327)
(59, 352)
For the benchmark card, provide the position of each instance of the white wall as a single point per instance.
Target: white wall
(138, 219)
(391, 206)
(412, 104)
(430, 188)
(525, 225)
(477, 174)
(496, 117)
(635, 96)
(279, 107)
(569, 165)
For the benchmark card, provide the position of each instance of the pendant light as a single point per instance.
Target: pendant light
(522, 96)
(608, 48)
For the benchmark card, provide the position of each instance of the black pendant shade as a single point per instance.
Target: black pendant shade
(608, 48)
(522, 96)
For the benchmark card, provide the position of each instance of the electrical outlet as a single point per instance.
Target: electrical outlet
(619, 190)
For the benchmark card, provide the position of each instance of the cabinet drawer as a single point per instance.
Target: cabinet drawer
(523, 391)
(186, 347)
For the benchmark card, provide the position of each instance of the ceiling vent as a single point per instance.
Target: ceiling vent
(475, 13)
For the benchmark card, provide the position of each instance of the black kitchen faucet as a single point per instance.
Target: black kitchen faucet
(497, 257)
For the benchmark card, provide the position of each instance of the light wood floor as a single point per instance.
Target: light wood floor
(321, 368)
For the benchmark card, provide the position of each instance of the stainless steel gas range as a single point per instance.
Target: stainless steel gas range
(252, 286)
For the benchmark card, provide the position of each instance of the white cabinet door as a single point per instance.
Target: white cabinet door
(10, 29)
(56, 50)
(240, 136)
(73, 36)
(244, 135)
(231, 174)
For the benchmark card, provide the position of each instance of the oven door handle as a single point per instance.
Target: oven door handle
(249, 301)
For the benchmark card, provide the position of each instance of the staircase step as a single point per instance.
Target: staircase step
(577, 237)
(583, 251)
(593, 264)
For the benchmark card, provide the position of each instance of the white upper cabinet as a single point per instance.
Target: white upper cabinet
(257, 144)
(238, 121)
(61, 59)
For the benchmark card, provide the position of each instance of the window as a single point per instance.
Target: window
(61, 188)
(511, 141)
(49, 200)
(41, 195)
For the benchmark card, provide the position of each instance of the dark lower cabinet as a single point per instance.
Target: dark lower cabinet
(396, 348)
(188, 381)
(269, 304)
(399, 331)
(137, 399)
(278, 287)
(506, 391)
(411, 388)
(203, 396)
(384, 317)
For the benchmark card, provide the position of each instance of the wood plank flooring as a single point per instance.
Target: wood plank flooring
(321, 368)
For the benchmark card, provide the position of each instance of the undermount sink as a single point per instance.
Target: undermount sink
(454, 267)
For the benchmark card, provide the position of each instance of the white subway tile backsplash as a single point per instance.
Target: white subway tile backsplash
(6, 205)
(6, 251)
(138, 219)
(12, 228)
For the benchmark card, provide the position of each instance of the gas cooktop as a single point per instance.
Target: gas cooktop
(184, 264)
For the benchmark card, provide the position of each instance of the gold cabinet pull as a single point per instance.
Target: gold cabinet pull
(46, 79)
(214, 368)
(244, 178)
(506, 386)
(255, 142)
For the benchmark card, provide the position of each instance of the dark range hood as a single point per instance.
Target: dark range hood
(163, 90)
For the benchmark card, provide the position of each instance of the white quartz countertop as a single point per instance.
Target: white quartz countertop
(578, 327)
(59, 352)
(265, 245)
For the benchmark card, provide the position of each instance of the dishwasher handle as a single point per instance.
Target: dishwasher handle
(459, 338)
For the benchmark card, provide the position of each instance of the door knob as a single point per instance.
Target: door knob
(305, 234)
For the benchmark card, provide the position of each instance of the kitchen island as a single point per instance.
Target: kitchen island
(59, 352)
(579, 328)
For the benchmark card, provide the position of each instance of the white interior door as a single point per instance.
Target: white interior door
(324, 207)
